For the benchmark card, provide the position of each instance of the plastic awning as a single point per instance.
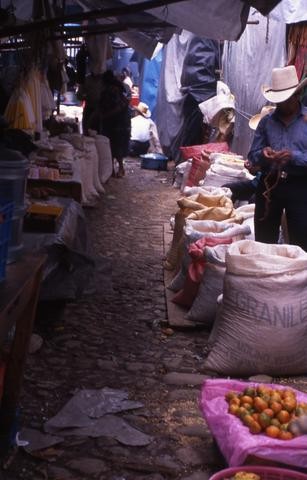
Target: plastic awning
(214, 19)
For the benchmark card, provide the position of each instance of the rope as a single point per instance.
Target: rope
(243, 114)
(269, 188)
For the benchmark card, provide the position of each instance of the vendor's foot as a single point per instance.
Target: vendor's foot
(120, 173)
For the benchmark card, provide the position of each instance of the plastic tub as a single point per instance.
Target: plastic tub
(13, 175)
(154, 161)
(266, 473)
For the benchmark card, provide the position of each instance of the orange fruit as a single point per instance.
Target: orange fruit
(235, 401)
(247, 399)
(260, 404)
(263, 390)
(247, 420)
(285, 435)
(287, 393)
(254, 427)
(276, 397)
(242, 412)
(283, 416)
(264, 420)
(269, 412)
(256, 416)
(272, 431)
(289, 404)
(233, 409)
(275, 406)
(230, 395)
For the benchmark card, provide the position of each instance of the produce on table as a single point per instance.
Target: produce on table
(265, 410)
(244, 476)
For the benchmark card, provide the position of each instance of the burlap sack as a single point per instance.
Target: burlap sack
(263, 323)
(198, 207)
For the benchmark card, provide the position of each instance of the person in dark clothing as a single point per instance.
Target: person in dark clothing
(115, 118)
(279, 149)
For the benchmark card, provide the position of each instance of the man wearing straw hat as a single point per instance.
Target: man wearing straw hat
(279, 149)
(140, 130)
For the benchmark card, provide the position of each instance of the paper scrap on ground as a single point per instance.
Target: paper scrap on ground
(37, 440)
(112, 427)
(87, 413)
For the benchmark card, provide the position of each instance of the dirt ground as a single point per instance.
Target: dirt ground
(116, 337)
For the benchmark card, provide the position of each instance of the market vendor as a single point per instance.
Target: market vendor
(140, 130)
(279, 149)
(144, 136)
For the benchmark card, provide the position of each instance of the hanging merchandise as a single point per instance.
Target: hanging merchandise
(33, 88)
(19, 110)
(47, 100)
(297, 50)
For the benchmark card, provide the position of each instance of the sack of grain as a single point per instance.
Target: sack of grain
(263, 322)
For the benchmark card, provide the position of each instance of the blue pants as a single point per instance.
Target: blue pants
(290, 195)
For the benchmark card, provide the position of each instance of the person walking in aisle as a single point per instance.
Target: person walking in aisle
(114, 114)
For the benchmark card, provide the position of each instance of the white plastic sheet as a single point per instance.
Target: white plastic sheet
(247, 64)
(290, 11)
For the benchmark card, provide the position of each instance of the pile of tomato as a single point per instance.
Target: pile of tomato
(265, 410)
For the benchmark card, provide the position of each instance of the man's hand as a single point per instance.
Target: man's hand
(253, 169)
(283, 156)
(269, 153)
(280, 157)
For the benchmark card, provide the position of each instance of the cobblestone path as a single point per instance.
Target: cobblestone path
(116, 339)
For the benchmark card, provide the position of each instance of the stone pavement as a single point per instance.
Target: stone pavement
(116, 338)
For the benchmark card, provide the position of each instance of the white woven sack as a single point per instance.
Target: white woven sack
(105, 157)
(247, 212)
(213, 191)
(215, 327)
(93, 162)
(213, 229)
(204, 306)
(186, 174)
(89, 193)
(76, 139)
(197, 229)
(263, 322)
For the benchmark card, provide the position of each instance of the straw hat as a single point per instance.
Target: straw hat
(143, 109)
(285, 83)
(253, 122)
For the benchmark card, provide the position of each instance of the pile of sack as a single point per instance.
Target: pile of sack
(252, 296)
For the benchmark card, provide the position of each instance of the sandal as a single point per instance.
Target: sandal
(120, 173)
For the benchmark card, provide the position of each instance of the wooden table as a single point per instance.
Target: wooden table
(18, 300)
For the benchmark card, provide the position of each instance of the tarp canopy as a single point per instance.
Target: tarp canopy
(137, 21)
